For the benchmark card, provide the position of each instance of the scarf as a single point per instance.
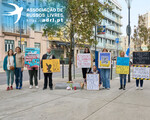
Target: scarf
(49, 55)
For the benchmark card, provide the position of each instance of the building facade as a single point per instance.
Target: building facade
(10, 32)
(112, 22)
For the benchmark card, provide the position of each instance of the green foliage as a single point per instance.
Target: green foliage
(141, 34)
(82, 16)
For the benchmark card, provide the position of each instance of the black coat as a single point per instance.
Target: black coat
(45, 57)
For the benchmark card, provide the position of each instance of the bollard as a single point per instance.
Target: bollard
(111, 72)
(62, 69)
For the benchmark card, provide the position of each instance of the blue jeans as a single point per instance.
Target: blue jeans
(137, 83)
(105, 77)
(18, 74)
(122, 76)
(10, 73)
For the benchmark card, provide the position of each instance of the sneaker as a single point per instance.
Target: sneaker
(51, 88)
(11, 87)
(31, 87)
(36, 87)
(17, 88)
(20, 88)
(137, 88)
(108, 88)
(44, 88)
(141, 88)
(7, 88)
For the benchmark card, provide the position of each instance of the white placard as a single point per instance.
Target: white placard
(141, 72)
(92, 81)
(83, 60)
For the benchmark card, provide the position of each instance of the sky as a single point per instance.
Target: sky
(137, 7)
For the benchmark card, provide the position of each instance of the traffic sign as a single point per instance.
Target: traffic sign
(117, 40)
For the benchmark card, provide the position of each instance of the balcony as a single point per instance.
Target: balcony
(15, 31)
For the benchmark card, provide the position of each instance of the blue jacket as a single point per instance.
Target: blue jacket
(5, 62)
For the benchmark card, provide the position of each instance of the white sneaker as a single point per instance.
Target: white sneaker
(141, 88)
(31, 87)
(137, 88)
(36, 87)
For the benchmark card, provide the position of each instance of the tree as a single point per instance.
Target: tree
(82, 16)
(141, 34)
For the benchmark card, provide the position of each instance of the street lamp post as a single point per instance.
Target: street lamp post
(129, 31)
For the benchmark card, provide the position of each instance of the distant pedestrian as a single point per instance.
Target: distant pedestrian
(19, 68)
(122, 76)
(47, 76)
(9, 65)
(105, 75)
(86, 70)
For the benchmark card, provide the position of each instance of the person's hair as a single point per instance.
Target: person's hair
(121, 52)
(104, 49)
(94, 66)
(19, 48)
(85, 50)
(9, 51)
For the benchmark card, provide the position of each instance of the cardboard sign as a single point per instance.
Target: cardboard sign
(141, 58)
(142, 73)
(84, 60)
(92, 81)
(32, 57)
(122, 66)
(104, 60)
(50, 66)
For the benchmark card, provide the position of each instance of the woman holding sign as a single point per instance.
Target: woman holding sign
(122, 76)
(85, 70)
(9, 65)
(105, 74)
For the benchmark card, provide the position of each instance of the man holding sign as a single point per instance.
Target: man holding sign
(47, 56)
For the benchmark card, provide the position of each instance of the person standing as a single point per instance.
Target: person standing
(47, 76)
(19, 67)
(33, 73)
(105, 75)
(122, 76)
(86, 70)
(9, 65)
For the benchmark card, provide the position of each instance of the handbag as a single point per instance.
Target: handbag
(11, 67)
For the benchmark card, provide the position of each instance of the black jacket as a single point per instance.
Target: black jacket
(45, 57)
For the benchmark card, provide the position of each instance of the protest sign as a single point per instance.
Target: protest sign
(104, 60)
(122, 66)
(50, 66)
(84, 60)
(32, 57)
(141, 58)
(92, 81)
(142, 73)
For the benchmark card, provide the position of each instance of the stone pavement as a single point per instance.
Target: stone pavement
(113, 104)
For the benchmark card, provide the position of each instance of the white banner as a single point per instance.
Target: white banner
(84, 60)
(141, 72)
(92, 81)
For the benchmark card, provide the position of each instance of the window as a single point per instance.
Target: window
(9, 44)
(23, 45)
(37, 45)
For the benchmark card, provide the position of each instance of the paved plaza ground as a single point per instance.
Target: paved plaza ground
(113, 104)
